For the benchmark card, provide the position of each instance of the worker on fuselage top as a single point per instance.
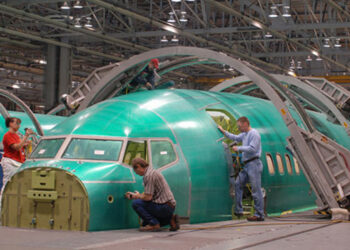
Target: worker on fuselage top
(251, 152)
(147, 76)
(156, 205)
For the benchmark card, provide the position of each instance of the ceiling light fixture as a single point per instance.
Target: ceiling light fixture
(171, 18)
(175, 39)
(268, 35)
(319, 59)
(286, 11)
(164, 39)
(65, 6)
(77, 5)
(337, 43)
(299, 65)
(326, 43)
(273, 13)
(88, 23)
(183, 18)
(308, 59)
(77, 23)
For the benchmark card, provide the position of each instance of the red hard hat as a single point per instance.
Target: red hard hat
(155, 62)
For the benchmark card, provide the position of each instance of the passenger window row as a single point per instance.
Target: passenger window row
(280, 165)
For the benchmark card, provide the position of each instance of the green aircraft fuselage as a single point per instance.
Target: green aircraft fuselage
(89, 155)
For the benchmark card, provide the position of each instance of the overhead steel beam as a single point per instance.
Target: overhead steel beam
(65, 26)
(338, 8)
(57, 43)
(19, 43)
(262, 26)
(300, 53)
(179, 31)
(31, 70)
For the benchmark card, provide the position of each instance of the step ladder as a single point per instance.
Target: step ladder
(339, 95)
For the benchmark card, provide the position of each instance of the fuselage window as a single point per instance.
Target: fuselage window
(280, 163)
(135, 149)
(289, 164)
(270, 165)
(296, 166)
(47, 148)
(93, 149)
(162, 153)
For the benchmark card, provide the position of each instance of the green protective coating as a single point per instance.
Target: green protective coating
(199, 175)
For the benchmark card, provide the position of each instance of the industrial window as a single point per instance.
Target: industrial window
(270, 165)
(289, 164)
(296, 166)
(47, 148)
(280, 163)
(162, 153)
(92, 149)
(135, 149)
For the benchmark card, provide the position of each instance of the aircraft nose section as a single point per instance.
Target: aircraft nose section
(45, 198)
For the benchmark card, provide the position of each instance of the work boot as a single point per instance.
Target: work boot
(150, 228)
(255, 218)
(174, 223)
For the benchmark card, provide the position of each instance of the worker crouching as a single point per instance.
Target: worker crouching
(156, 205)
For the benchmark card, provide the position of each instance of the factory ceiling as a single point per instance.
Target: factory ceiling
(305, 37)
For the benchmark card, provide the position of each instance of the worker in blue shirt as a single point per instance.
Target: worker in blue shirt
(251, 152)
(147, 76)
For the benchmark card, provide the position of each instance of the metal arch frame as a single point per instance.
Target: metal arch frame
(324, 103)
(25, 108)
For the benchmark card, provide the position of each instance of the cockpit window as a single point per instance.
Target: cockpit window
(91, 149)
(47, 148)
(134, 149)
(162, 153)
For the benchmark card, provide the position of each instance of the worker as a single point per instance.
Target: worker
(147, 76)
(156, 205)
(14, 146)
(251, 152)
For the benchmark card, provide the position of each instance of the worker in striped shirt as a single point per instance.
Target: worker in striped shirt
(156, 205)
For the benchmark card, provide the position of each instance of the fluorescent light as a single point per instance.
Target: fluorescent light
(65, 6)
(176, 1)
(77, 5)
(326, 43)
(290, 72)
(268, 35)
(15, 86)
(88, 23)
(273, 13)
(164, 39)
(42, 62)
(183, 18)
(308, 59)
(171, 29)
(286, 11)
(77, 23)
(299, 65)
(257, 24)
(319, 59)
(171, 18)
(337, 43)
(175, 39)
(314, 52)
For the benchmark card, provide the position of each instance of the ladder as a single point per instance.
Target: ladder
(339, 95)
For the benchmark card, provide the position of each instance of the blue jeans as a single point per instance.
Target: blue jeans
(252, 173)
(153, 213)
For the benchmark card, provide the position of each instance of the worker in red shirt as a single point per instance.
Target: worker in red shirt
(13, 148)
